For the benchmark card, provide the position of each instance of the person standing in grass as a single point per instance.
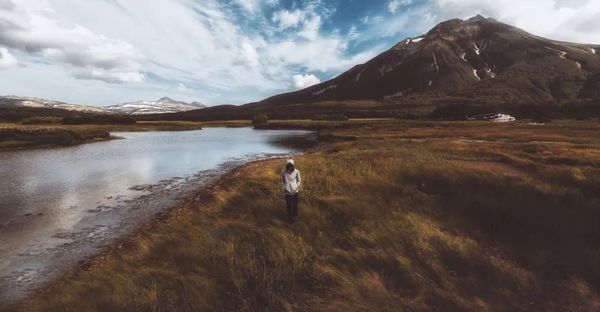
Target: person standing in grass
(291, 186)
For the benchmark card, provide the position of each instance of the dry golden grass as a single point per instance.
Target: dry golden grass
(405, 217)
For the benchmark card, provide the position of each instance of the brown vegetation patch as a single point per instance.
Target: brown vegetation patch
(385, 225)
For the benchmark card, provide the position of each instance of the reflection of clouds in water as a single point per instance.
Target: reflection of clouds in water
(69, 201)
(86, 191)
(65, 183)
(53, 181)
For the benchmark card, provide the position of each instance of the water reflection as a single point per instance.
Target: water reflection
(49, 191)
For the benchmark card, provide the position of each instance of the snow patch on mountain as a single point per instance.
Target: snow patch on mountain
(359, 74)
(561, 54)
(477, 51)
(435, 63)
(325, 90)
(162, 106)
(397, 94)
(490, 73)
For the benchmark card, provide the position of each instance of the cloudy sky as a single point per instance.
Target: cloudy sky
(103, 52)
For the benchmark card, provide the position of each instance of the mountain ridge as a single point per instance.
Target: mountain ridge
(479, 61)
(163, 105)
(461, 57)
(13, 101)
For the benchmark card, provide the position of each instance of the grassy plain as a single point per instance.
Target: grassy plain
(395, 216)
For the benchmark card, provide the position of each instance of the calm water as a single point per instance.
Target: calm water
(60, 201)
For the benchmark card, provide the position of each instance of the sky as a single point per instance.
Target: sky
(103, 52)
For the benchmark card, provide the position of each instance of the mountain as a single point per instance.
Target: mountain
(11, 101)
(162, 106)
(479, 58)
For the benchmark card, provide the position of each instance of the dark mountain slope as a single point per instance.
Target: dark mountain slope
(479, 58)
(479, 62)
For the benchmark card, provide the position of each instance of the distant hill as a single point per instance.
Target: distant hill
(162, 106)
(11, 101)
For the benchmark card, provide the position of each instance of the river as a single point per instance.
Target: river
(60, 206)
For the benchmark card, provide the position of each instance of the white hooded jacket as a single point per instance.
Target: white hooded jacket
(291, 181)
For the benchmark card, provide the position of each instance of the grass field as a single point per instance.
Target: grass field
(395, 216)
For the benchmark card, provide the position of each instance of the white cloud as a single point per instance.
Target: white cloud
(321, 54)
(305, 81)
(248, 56)
(34, 27)
(226, 51)
(311, 28)
(108, 76)
(254, 5)
(201, 44)
(288, 19)
(353, 33)
(572, 20)
(7, 60)
(250, 5)
(552, 18)
(395, 4)
(181, 87)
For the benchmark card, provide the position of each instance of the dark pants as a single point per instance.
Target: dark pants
(291, 202)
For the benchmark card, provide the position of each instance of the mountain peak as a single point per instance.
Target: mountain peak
(165, 99)
(162, 106)
(478, 18)
(475, 58)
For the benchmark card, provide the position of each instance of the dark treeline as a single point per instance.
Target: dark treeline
(18, 114)
(49, 136)
(453, 110)
(36, 115)
(98, 120)
(536, 111)
(456, 109)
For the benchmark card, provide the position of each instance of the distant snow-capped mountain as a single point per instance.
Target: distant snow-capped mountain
(162, 106)
(22, 101)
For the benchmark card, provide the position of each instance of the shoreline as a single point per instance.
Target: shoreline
(203, 185)
(50, 146)
(204, 197)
